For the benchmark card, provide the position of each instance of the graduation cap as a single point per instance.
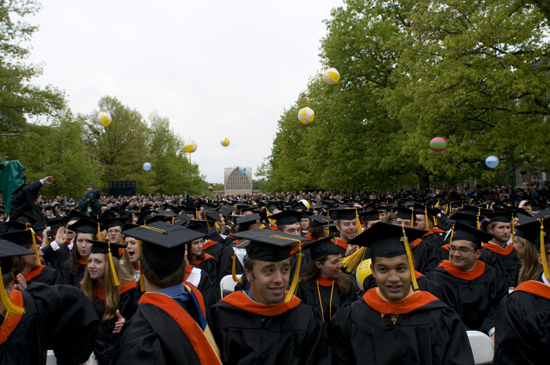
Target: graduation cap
(501, 216)
(86, 225)
(25, 218)
(271, 246)
(199, 226)
(322, 247)
(468, 219)
(298, 206)
(181, 219)
(23, 238)
(321, 221)
(113, 222)
(271, 206)
(370, 215)
(543, 214)
(287, 217)
(75, 215)
(163, 246)
(7, 251)
(385, 240)
(57, 223)
(214, 215)
(463, 232)
(165, 213)
(159, 218)
(247, 219)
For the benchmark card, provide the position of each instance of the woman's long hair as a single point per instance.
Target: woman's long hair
(311, 272)
(112, 292)
(317, 232)
(74, 256)
(126, 263)
(531, 268)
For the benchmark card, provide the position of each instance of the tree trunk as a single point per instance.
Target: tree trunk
(423, 179)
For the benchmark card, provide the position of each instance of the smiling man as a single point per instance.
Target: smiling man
(473, 288)
(394, 324)
(266, 324)
(345, 220)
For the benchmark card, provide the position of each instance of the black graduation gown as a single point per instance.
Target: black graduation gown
(430, 334)
(423, 282)
(522, 330)
(214, 249)
(43, 274)
(210, 294)
(476, 301)
(425, 253)
(308, 293)
(58, 317)
(209, 266)
(154, 337)
(506, 262)
(23, 202)
(296, 336)
(216, 237)
(69, 279)
(56, 258)
(106, 339)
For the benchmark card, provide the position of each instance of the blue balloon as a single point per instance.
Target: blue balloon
(147, 166)
(242, 170)
(491, 162)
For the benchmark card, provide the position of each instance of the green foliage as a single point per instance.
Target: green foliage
(18, 98)
(473, 72)
(54, 150)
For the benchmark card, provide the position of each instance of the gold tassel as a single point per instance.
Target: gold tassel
(478, 214)
(294, 285)
(513, 230)
(451, 241)
(410, 260)
(11, 309)
(543, 251)
(99, 238)
(113, 271)
(268, 214)
(35, 247)
(351, 262)
(141, 279)
(234, 270)
(426, 219)
(412, 219)
(358, 223)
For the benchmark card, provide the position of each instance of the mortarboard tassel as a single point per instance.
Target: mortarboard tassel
(294, 284)
(513, 230)
(426, 219)
(234, 270)
(113, 271)
(543, 251)
(99, 233)
(359, 229)
(451, 241)
(35, 247)
(141, 279)
(11, 308)
(409, 259)
(269, 214)
(351, 262)
(412, 219)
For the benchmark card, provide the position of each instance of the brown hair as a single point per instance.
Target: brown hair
(311, 272)
(7, 278)
(317, 232)
(74, 256)
(531, 268)
(175, 278)
(112, 292)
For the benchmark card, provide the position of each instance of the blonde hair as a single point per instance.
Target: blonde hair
(531, 268)
(112, 292)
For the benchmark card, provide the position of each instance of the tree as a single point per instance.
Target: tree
(121, 147)
(18, 98)
(174, 173)
(55, 150)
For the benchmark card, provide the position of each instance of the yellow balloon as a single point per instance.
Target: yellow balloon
(332, 76)
(363, 270)
(189, 146)
(103, 119)
(225, 142)
(306, 115)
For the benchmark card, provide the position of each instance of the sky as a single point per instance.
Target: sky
(216, 69)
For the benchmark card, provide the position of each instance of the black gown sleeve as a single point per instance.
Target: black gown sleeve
(339, 337)
(69, 321)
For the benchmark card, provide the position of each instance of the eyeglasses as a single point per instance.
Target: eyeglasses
(462, 250)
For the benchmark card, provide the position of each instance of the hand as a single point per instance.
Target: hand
(60, 236)
(119, 323)
(48, 180)
(44, 237)
(493, 337)
(351, 249)
(21, 282)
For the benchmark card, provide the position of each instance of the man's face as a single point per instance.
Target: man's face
(420, 222)
(464, 254)
(114, 235)
(268, 281)
(347, 229)
(403, 222)
(501, 232)
(292, 229)
(393, 277)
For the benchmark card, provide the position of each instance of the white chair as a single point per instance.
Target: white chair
(227, 284)
(51, 360)
(482, 346)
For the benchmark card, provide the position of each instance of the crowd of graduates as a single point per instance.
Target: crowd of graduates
(313, 279)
